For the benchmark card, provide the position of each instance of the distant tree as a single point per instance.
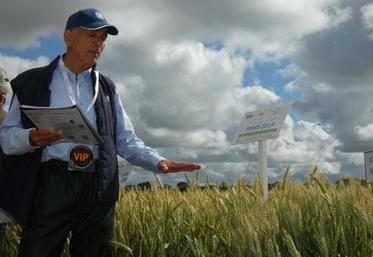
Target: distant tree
(182, 186)
(224, 186)
(273, 185)
(144, 185)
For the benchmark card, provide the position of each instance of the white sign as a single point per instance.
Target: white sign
(368, 159)
(261, 125)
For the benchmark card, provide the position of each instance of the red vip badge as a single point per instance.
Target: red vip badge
(81, 158)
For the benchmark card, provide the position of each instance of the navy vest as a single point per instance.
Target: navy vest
(19, 173)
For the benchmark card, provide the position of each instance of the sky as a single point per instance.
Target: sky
(187, 71)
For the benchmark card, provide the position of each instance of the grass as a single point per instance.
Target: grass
(316, 218)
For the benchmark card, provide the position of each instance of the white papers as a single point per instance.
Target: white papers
(73, 122)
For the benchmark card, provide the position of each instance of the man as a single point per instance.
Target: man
(4, 89)
(66, 195)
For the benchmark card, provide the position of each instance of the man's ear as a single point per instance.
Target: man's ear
(67, 36)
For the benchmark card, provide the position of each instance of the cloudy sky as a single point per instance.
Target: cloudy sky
(187, 71)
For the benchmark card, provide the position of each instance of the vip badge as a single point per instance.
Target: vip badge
(81, 158)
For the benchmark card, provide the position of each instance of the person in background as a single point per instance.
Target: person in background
(2, 103)
(4, 90)
(50, 189)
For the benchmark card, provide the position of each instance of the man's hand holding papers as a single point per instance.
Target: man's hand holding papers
(45, 136)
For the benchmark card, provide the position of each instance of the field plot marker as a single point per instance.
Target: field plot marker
(258, 126)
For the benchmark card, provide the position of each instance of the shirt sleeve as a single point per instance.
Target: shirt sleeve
(129, 146)
(14, 138)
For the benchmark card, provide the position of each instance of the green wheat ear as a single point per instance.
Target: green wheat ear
(285, 178)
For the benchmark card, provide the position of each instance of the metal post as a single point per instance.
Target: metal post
(262, 161)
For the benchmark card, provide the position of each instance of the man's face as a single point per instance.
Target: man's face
(86, 45)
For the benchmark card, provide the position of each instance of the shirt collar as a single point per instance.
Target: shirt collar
(83, 75)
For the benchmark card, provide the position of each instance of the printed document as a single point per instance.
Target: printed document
(70, 119)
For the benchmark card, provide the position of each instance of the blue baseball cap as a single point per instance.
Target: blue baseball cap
(90, 19)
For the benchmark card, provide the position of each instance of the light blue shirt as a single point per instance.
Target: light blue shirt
(15, 139)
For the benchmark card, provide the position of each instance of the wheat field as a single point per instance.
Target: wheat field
(311, 219)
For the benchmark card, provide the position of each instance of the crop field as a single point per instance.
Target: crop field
(315, 218)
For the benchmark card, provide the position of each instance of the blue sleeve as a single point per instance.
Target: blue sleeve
(14, 138)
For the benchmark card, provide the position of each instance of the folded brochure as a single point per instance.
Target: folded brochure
(70, 119)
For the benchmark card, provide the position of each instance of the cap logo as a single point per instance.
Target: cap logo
(99, 16)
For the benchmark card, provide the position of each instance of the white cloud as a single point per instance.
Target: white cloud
(196, 138)
(15, 65)
(322, 87)
(305, 144)
(250, 98)
(185, 87)
(265, 27)
(364, 132)
(291, 86)
(367, 19)
(336, 78)
(350, 158)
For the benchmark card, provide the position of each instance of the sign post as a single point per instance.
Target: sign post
(258, 126)
(262, 164)
(368, 160)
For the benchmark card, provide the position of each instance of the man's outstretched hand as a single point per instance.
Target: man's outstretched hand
(175, 166)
